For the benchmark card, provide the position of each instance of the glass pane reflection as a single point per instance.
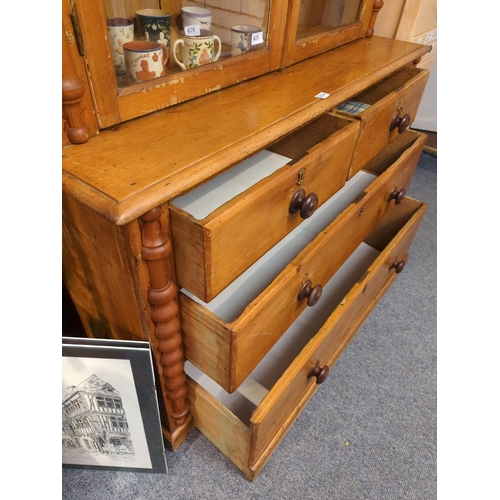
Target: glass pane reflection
(319, 16)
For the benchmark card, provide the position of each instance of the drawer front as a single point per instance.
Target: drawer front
(253, 222)
(393, 105)
(249, 445)
(228, 352)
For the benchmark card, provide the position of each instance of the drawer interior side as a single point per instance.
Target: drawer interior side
(393, 151)
(189, 244)
(220, 426)
(392, 83)
(391, 224)
(212, 346)
(298, 143)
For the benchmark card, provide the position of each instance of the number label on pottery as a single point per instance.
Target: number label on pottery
(257, 38)
(192, 30)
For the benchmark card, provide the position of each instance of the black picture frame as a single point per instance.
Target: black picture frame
(111, 418)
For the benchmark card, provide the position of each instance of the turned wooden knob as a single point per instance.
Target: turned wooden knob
(398, 266)
(402, 122)
(312, 294)
(319, 373)
(397, 195)
(306, 204)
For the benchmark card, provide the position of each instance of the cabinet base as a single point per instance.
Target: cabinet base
(174, 440)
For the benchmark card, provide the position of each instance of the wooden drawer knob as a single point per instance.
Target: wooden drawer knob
(398, 266)
(402, 122)
(397, 195)
(312, 294)
(319, 373)
(306, 204)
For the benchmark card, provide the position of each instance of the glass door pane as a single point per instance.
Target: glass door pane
(320, 16)
(150, 39)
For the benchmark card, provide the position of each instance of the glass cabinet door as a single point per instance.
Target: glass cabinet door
(315, 26)
(145, 55)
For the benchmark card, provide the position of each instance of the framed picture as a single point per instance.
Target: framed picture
(110, 413)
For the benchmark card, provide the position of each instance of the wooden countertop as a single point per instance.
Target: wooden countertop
(129, 169)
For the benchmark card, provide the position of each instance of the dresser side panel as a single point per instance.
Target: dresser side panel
(97, 274)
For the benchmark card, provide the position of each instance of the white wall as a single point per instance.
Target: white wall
(426, 118)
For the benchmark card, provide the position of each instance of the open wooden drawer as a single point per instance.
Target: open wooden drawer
(252, 206)
(391, 106)
(229, 336)
(248, 424)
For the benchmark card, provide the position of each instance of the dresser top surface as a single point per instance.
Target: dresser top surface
(129, 169)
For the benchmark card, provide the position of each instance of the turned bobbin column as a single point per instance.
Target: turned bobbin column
(377, 5)
(162, 295)
(73, 90)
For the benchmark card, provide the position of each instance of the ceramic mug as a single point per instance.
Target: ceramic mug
(196, 16)
(120, 31)
(244, 38)
(154, 25)
(197, 50)
(145, 60)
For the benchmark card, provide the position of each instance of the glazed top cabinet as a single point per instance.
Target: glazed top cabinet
(287, 32)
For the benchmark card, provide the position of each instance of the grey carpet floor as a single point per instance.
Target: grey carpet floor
(368, 433)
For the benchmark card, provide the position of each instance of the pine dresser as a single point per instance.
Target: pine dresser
(247, 233)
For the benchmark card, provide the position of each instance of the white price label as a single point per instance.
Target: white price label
(257, 38)
(192, 30)
(322, 95)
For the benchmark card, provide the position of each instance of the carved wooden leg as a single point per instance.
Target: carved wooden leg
(377, 5)
(156, 249)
